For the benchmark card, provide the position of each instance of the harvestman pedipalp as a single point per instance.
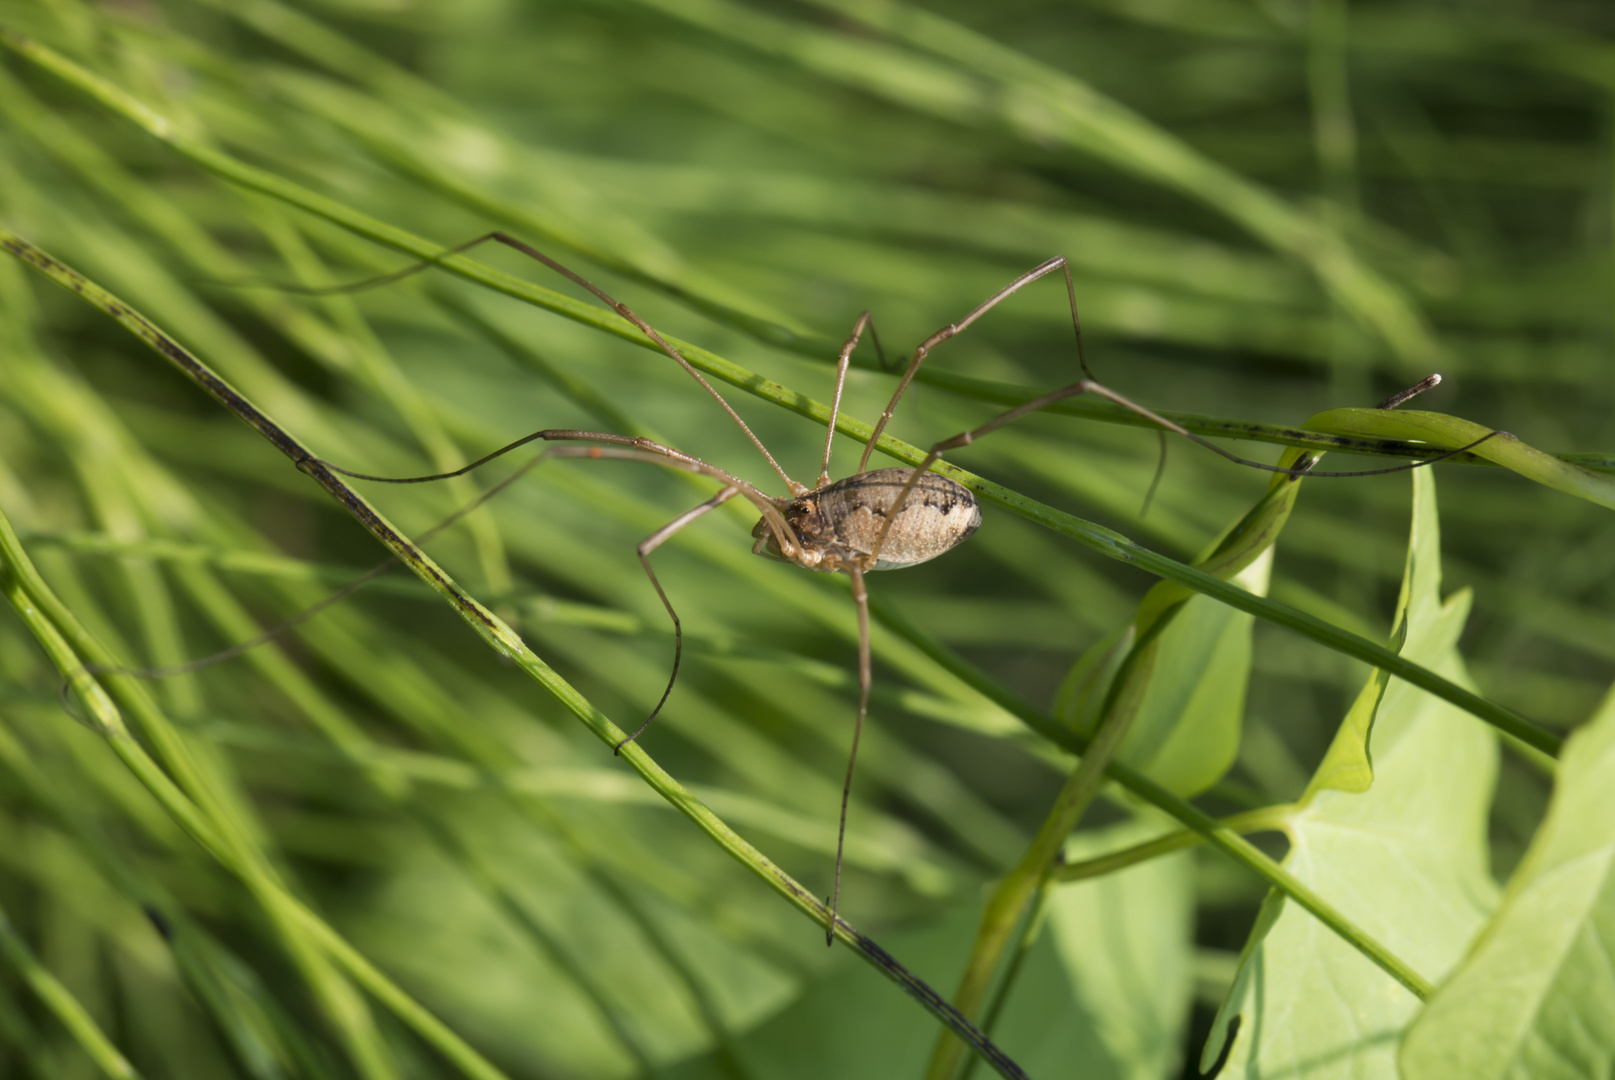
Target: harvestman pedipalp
(877, 519)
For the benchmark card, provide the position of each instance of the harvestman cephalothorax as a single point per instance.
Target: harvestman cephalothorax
(876, 519)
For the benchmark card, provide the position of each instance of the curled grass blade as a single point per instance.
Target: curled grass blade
(1438, 429)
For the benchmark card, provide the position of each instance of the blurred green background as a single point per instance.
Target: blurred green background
(1270, 208)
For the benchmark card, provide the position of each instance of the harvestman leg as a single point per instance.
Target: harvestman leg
(623, 448)
(1086, 385)
(334, 598)
(866, 679)
(865, 321)
(860, 595)
(646, 546)
(578, 279)
(952, 329)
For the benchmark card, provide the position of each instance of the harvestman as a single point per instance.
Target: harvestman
(876, 519)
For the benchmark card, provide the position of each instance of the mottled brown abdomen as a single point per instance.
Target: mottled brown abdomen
(840, 523)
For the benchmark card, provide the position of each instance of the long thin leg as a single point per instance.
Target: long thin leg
(845, 358)
(1088, 386)
(866, 678)
(548, 435)
(1085, 386)
(880, 353)
(1155, 480)
(631, 448)
(628, 448)
(646, 546)
(377, 282)
(637, 449)
(578, 279)
(952, 329)
(314, 609)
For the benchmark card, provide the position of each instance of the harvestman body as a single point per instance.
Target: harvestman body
(839, 525)
(881, 519)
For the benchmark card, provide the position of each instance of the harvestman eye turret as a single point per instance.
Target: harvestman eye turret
(881, 519)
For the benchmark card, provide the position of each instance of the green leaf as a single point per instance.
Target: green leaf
(1535, 997)
(1186, 733)
(1406, 861)
(1125, 940)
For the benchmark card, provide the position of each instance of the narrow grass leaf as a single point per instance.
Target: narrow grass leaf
(1186, 733)
(1125, 941)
